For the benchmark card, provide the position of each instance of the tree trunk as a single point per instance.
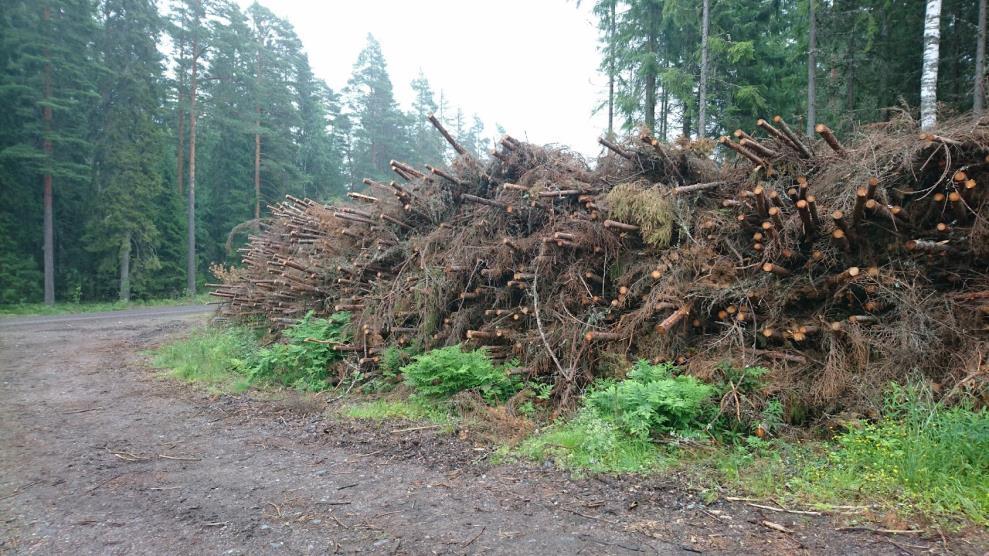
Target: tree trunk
(49, 230)
(611, 72)
(702, 101)
(180, 155)
(686, 120)
(190, 268)
(649, 110)
(928, 79)
(664, 114)
(257, 168)
(125, 268)
(811, 70)
(978, 104)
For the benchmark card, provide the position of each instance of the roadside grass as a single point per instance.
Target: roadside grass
(921, 460)
(40, 309)
(212, 356)
(399, 410)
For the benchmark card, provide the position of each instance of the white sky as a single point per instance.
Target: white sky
(529, 65)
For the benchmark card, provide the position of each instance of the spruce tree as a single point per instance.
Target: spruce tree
(129, 147)
(379, 133)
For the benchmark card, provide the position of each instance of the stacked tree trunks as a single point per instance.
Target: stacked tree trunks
(838, 266)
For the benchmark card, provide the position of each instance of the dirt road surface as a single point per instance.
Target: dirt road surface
(101, 455)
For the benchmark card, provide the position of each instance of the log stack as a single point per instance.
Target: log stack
(840, 264)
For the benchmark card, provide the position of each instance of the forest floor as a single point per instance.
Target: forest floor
(101, 454)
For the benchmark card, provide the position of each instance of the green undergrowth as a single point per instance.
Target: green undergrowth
(40, 309)
(921, 458)
(398, 410)
(213, 356)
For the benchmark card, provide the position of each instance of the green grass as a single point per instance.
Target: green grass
(213, 356)
(591, 443)
(31, 309)
(394, 410)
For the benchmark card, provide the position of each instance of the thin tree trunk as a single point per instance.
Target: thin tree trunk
(664, 114)
(978, 104)
(702, 101)
(611, 72)
(649, 109)
(811, 70)
(125, 249)
(928, 79)
(191, 214)
(257, 167)
(180, 156)
(49, 230)
(686, 120)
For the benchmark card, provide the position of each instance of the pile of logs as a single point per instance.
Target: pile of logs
(840, 266)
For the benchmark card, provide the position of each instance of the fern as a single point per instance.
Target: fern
(298, 363)
(653, 401)
(441, 373)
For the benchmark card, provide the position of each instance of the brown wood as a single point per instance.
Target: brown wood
(670, 322)
(696, 187)
(803, 208)
(792, 137)
(743, 151)
(446, 135)
(595, 336)
(758, 148)
(360, 197)
(444, 174)
(776, 269)
(861, 197)
(829, 138)
(482, 201)
(615, 148)
(620, 226)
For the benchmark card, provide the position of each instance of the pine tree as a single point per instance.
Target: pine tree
(47, 86)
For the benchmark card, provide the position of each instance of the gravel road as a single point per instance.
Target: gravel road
(101, 455)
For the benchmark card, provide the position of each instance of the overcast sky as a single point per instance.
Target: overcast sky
(529, 65)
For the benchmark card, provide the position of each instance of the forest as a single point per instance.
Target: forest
(142, 141)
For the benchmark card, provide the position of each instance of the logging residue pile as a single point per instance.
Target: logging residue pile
(840, 267)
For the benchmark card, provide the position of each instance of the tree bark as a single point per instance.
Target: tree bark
(125, 249)
(180, 155)
(652, 37)
(928, 79)
(978, 104)
(49, 229)
(190, 268)
(702, 102)
(611, 71)
(811, 69)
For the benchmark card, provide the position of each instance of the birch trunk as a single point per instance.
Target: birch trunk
(811, 69)
(702, 102)
(928, 79)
